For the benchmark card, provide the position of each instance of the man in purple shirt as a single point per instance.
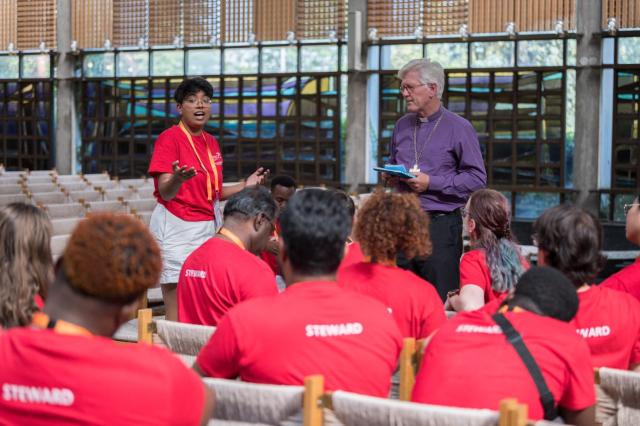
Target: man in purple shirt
(441, 149)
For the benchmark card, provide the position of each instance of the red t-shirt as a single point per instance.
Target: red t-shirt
(190, 203)
(628, 280)
(469, 363)
(413, 302)
(312, 327)
(217, 276)
(269, 258)
(352, 255)
(49, 378)
(474, 270)
(609, 321)
(38, 301)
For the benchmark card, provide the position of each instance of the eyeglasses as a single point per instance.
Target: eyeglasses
(195, 101)
(464, 212)
(410, 89)
(628, 207)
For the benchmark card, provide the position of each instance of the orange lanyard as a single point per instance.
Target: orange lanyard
(233, 237)
(212, 162)
(505, 308)
(42, 321)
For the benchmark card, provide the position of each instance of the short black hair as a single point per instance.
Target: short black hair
(191, 86)
(549, 290)
(571, 239)
(283, 180)
(347, 200)
(314, 228)
(249, 203)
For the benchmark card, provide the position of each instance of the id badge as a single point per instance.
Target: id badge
(217, 214)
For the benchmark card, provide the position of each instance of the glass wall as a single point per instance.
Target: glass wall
(276, 106)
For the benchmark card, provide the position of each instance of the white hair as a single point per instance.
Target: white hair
(428, 71)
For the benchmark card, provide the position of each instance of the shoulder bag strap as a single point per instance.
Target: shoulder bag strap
(513, 337)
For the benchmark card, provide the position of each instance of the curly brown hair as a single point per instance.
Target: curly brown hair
(391, 223)
(112, 257)
(26, 265)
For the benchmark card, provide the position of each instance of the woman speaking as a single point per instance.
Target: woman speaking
(186, 167)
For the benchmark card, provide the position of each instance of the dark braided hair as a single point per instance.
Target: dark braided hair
(490, 211)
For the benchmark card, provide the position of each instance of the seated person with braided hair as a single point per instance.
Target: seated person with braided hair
(65, 369)
(388, 224)
(491, 269)
(470, 363)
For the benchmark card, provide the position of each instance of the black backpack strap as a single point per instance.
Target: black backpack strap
(513, 337)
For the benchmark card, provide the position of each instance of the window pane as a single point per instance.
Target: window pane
(526, 129)
(279, 59)
(449, 55)
(629, 50)
(9, 66)
(203, 62)
(530, 205)
(133, 64)
(540, 53)
(99, 65)
(501, 152)
(501, 175)
(492, 54)
(167, 62)
(395, 56)
(241, 61)
(572, 51)
(35, 66)
(319, 58)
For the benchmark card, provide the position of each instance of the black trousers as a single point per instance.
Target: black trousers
(442, 268)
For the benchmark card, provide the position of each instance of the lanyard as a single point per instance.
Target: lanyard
(42, 321)
(233, 237)
(216, 184)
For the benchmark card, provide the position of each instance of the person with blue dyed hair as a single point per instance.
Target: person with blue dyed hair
(491, 269)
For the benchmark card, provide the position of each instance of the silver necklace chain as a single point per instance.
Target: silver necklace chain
(415, 145)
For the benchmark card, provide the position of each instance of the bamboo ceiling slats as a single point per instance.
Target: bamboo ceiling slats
(625, 12)
(8, 23)
(92, 22)
(402, 18)
(36, 23)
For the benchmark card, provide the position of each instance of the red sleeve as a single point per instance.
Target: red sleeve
(270, 260)
(579, 392)
(635, 352)
(612, 281)
(165, 152)
(435, 316)
(187, 394)
(635, 355)
(473, 270)
(38, 301)
(220, 357)
(259, 283)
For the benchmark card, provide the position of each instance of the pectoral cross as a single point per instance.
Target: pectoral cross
(415, 169)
